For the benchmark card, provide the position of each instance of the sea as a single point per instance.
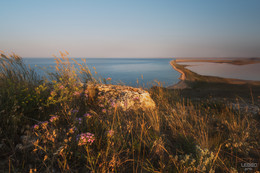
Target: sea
(136, 72)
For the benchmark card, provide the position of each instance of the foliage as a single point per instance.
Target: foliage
(60, 126)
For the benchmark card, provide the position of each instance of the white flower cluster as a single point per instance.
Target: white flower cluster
(205, 158)
(202, 162)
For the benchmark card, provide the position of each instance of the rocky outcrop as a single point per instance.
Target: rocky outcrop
(246, 108)
(125, 97)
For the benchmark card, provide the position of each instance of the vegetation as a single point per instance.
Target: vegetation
(58, 125)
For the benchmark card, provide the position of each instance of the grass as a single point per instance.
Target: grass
(60, 126)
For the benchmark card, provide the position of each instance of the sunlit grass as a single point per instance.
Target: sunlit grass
(60, 125)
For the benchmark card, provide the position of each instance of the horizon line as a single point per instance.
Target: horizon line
(148, 57)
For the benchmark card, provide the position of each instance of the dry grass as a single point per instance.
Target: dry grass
(60, 126)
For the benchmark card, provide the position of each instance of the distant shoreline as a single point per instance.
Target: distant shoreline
(234, 61)
(188, 76)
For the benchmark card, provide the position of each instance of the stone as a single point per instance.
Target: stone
(125, 97)
(246, 107)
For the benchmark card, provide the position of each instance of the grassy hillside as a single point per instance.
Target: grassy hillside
(59, 125)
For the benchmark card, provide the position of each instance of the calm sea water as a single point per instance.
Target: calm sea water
(121, 70)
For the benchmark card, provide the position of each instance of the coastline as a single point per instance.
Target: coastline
(182, 77)
(188, 77)
(234, 61)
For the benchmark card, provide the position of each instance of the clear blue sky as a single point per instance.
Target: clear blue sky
(131, 28)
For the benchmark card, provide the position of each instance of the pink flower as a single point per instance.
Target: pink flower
(136, 98)
(54, 118)
(113, 104)
(125, 104)
(86, 138)
(111, 133)
(87, 115)
(109, 78)
(76, 93)
(61, 87)
(104, 110)
(36, 127)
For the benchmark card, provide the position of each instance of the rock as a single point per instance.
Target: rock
(19, 147)
(246, 107)
(27, 142)
(125, 97)
(25, 139)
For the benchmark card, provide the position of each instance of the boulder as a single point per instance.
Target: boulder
(125, 97)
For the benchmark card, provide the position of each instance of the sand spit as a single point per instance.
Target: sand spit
(188, 76)
(234, 61)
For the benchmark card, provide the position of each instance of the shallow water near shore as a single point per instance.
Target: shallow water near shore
(124, 70)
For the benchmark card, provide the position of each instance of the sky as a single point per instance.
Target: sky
(131, 28)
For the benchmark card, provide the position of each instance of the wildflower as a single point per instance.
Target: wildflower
(36, 127)
(113, 104)
(54, 133)
(101, 105)
(104, 110)
(109, 78)
(87, 115)
(71, 130)
(76, 93)
(54, 118)
(79, 120)
(61, 87)
(125, 104)
(44, 124)
(75, 111)
(111, 133)
(86, 138)
(52, 92)
(136, 98)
